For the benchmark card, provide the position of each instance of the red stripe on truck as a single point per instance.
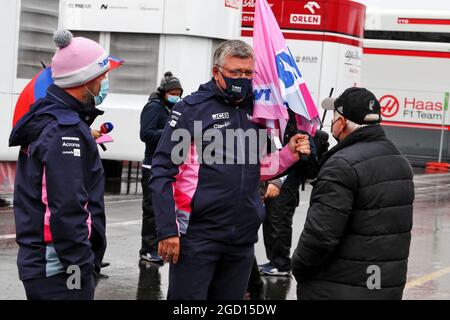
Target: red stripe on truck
(313, 37)
(407, 53)
(423, 21)
(414, 125)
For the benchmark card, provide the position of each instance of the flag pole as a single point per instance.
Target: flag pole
(441, 144)
(325, 112)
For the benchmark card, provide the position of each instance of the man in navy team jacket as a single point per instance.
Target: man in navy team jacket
(208, 214)
(58, 196)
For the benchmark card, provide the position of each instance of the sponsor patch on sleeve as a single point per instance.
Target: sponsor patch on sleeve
(173, 119)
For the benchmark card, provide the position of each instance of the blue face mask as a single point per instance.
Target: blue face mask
(104, 87)
(237, 89)
(172, 100)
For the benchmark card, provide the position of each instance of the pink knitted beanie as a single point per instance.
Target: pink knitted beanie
(77, 60)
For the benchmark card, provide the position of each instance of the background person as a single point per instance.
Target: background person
(153, 118)
(277, 226)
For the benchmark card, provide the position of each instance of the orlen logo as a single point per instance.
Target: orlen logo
(311, 19)
(305, 19)
(312, 6)
(232, 4)
(389, 106)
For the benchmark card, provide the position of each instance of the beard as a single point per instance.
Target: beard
(90, 100)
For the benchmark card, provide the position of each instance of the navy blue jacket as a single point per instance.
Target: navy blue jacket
(58, 195)
(209, 200)
(153, 118)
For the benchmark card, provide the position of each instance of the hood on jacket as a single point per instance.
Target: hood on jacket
(368, 133)
(56, 105)
(155, 96)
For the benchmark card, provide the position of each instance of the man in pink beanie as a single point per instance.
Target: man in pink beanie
(58, 197)
(79, 66)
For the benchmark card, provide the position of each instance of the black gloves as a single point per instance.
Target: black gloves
(321, 142)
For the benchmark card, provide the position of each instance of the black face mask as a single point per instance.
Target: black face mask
(237, 89)
(331, 130)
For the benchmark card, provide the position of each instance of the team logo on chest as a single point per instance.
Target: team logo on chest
(221, 116)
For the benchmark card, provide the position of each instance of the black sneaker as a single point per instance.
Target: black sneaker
(4, 203)
(269, 270)
(152, 257)
(261, 266)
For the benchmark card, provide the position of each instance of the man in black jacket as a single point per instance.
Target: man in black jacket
(153, 118)
(355, 243)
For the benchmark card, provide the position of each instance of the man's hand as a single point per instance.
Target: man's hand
(272, 191)
(299, 143)
(96, 134)
(169, 249)
(321, 141)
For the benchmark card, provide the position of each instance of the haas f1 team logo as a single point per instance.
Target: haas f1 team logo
(389, 106)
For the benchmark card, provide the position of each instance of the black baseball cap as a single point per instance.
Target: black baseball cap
(356, 104)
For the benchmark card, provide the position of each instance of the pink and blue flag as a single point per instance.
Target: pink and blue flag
(34, 90)
(278, 84)
(37, 88)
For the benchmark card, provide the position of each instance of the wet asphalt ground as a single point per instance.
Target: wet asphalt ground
(127, 278)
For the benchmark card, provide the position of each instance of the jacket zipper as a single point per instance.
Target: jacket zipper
(241, 188)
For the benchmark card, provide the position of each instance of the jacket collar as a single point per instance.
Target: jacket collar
(364, 134)
(217, 92)
(156, 97)
(209, 90)
(82, 111)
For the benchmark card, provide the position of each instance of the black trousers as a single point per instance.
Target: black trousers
(56, 288)
(148, 233)
(210, 270)
(149, 284)
(277, 226)
(255, 286)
